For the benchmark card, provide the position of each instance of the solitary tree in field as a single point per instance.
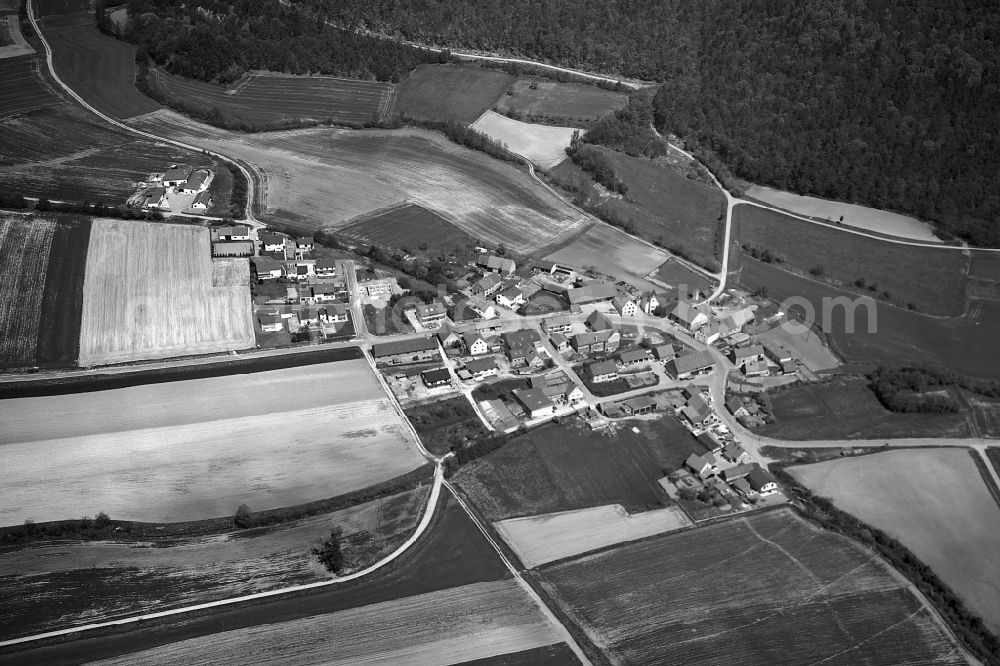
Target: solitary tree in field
(329, 553)
(244, 516)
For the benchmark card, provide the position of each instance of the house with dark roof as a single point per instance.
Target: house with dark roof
(595, 292)
(270, 322)
(413, 350)
(495, 264)
(690, 316)
(690, 364)
(736, 407)
(600, 341)
(511, 298)
(559, 341)
(326, 267)
(761, 481)
(633, 357)
(560, 323)
(741, 356)
(197, 181)
(305, 243)
(481, 368)
(436, 378)
(175, 175)
(431, 315)
(664, 353)
(487, 285)
(265, 268)
(598, 322)
(534, 402)
(738, 471)
(703, 466)
(271, 242)
(603, 371)
(735, 453)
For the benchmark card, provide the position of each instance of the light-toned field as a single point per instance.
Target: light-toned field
(545, 145)
(54, 585)
(24, 259)
(148, 294)
(871, 219)
(230, 272)
(447, 627)
(13, 42)
(325, 177)
(806, 346)
(187, 402)
(612, 252)
(541, 539)
(203, 470)
(935, 502)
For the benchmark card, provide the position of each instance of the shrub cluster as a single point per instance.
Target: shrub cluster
(901, 389)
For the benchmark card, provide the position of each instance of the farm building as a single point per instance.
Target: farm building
(232, 249)
(742, 356)
(558, 323)
(603, 371)
(559, 341)
(690, 364)
(326, 268)
(239, 232)
(534, 402)
(633, 357)
(265, 268)
(710, 441)
(436, 378)
(598, 322)
(495, 264)
(777, 353)
(154, 197)
(738, 471)
(664, 353)
(594, 292)
(625, 306)
(197, 181)
(736, 408)
(405, 351)
(538, 266)
(431, 315)
(691, 317)
(482, 368)
(174, 176)
(642, 404)
(203, 201)
(487, 285)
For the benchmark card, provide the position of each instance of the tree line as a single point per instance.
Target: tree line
(891, 105)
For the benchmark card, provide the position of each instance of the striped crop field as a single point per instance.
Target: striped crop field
(21, 86)
(274, 100)
(149, 293)
(24, 257)
(744, 592)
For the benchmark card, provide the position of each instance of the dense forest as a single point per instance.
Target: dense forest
(219, 40)
(887, 103)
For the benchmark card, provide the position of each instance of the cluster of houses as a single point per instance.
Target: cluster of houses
(728, 469)
(282, 257)
(159, 190)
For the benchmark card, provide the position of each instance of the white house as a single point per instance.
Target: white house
(625, 306)
(476, 344)
(203, 202)
(690, 316)
(510, 298)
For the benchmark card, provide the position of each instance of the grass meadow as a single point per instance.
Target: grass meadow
(742, 591)
(930, 280)
(540, 100)
(458, 93)
(408, 227)
(935, 502)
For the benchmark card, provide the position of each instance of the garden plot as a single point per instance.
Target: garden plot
(544, 145)
(148, 294)
(541, 539)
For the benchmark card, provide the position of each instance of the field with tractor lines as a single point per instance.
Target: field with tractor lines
(549, 537)
(148, 294)
(943, 513)
(270, 101)
(544, 145)
(449, 92)
(408, 226)
(325, 177)
(58, 584)
(24, 258)
(610, 251)
(204, 470)
(21, 87)
(741, 592)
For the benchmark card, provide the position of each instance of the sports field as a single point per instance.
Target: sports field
(612, 252)
(270, 101)
(325, 177)
(862, 217)
(935, 502)
(742, 592)
(408, 226)
(537, 100)
(41, 289)
(930, 279)
(549, 537)
(544, 145)
(190, 461)
(458, 93)
(59, 585)
(965, 345)
(148, 294)
(21, 88)
(99, 68)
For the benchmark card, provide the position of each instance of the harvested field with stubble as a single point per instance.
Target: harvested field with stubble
(943, 512)
(543, 145)
(459, 93)
(451, 626)
(82, 580)
(148, 293)
(741, 592)
(24, 256)
(549, 537)
(270, 101)
(325, 177)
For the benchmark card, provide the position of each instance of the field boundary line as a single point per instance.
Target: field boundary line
(568, 637)
(422, 526)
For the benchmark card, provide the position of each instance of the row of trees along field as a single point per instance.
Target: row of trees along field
(220, 40)
(889, 104)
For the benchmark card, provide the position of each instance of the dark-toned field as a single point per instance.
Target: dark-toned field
(985, 265)
(410, 227)
(745, 592)
(542, 100)
(55, 7)
(678, 275)
(452, 553)
(931, 280)
(22, 87)
(66, 154)
(445, 422)
(459, 93)
(42, 262)
(816, 411)
(99, 68)
(550, 655)
(560, 467)
(964, 345)
(271, 101)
